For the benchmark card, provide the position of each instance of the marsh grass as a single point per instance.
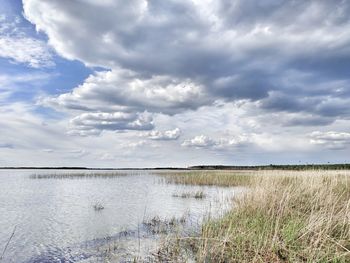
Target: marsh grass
(105, 175)
(284, 217)
(208, 178)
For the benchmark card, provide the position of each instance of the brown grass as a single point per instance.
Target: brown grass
(284, 217)
(217, 178)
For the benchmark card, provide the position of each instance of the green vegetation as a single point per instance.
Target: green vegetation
(283, 217)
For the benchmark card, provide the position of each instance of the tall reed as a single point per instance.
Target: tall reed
(283, 217)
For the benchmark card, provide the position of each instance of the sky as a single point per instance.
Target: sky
(150, 83)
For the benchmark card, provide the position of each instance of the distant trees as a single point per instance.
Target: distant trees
(297, 167)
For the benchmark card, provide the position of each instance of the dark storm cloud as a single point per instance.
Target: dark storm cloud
(286, 102)
(311, 13)
(244, 85)
(307, 120)
(334, 108)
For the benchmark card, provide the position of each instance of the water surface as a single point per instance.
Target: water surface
(55, 218)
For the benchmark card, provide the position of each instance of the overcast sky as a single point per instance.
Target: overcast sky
(144, 83)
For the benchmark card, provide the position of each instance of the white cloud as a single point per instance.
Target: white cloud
(107, 157)
(165, 135)
(199, 142)
(7, 80)
(93, 123)
(122, 90)
(202, 141)
(330, 139)
(17, 46)
(48, 150)
(128, 150)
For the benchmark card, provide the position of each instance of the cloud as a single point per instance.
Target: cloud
(304, 120)
(107, 157)
(202, 141)
(7, 81)
(20, 83)
(331, 139)
(7, 145)
(199, 141)
(165, 135)
(123, 90)
(254, 77)
(48, 150)
(17, 46)
(182, 37)
(94, 123)
(181, 55)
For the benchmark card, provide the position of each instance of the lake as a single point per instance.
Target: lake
(56, 221)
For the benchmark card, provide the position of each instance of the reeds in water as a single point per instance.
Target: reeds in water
(196, 195)
(105, 175)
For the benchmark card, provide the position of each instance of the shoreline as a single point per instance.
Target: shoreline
(292, 167)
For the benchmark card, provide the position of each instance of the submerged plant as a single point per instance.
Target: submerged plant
(98, 206)
(157, 225)
(197, 195)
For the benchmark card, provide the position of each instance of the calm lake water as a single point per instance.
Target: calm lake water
(56, 222)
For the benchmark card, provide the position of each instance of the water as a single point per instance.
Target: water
(55, 219)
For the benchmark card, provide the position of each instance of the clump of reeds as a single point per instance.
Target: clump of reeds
(284, 217)
(157, 225)
(217, 178)
(196, 195)
(98, 206)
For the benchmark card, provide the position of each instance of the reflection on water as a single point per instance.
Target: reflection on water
(56, 220)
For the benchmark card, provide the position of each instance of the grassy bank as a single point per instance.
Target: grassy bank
(284, 217)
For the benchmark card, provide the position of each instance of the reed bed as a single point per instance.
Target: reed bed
(78, 175)
(285, 216)
(208, 178)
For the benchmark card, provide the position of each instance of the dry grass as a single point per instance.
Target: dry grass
(217, 178)
(284, 217)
